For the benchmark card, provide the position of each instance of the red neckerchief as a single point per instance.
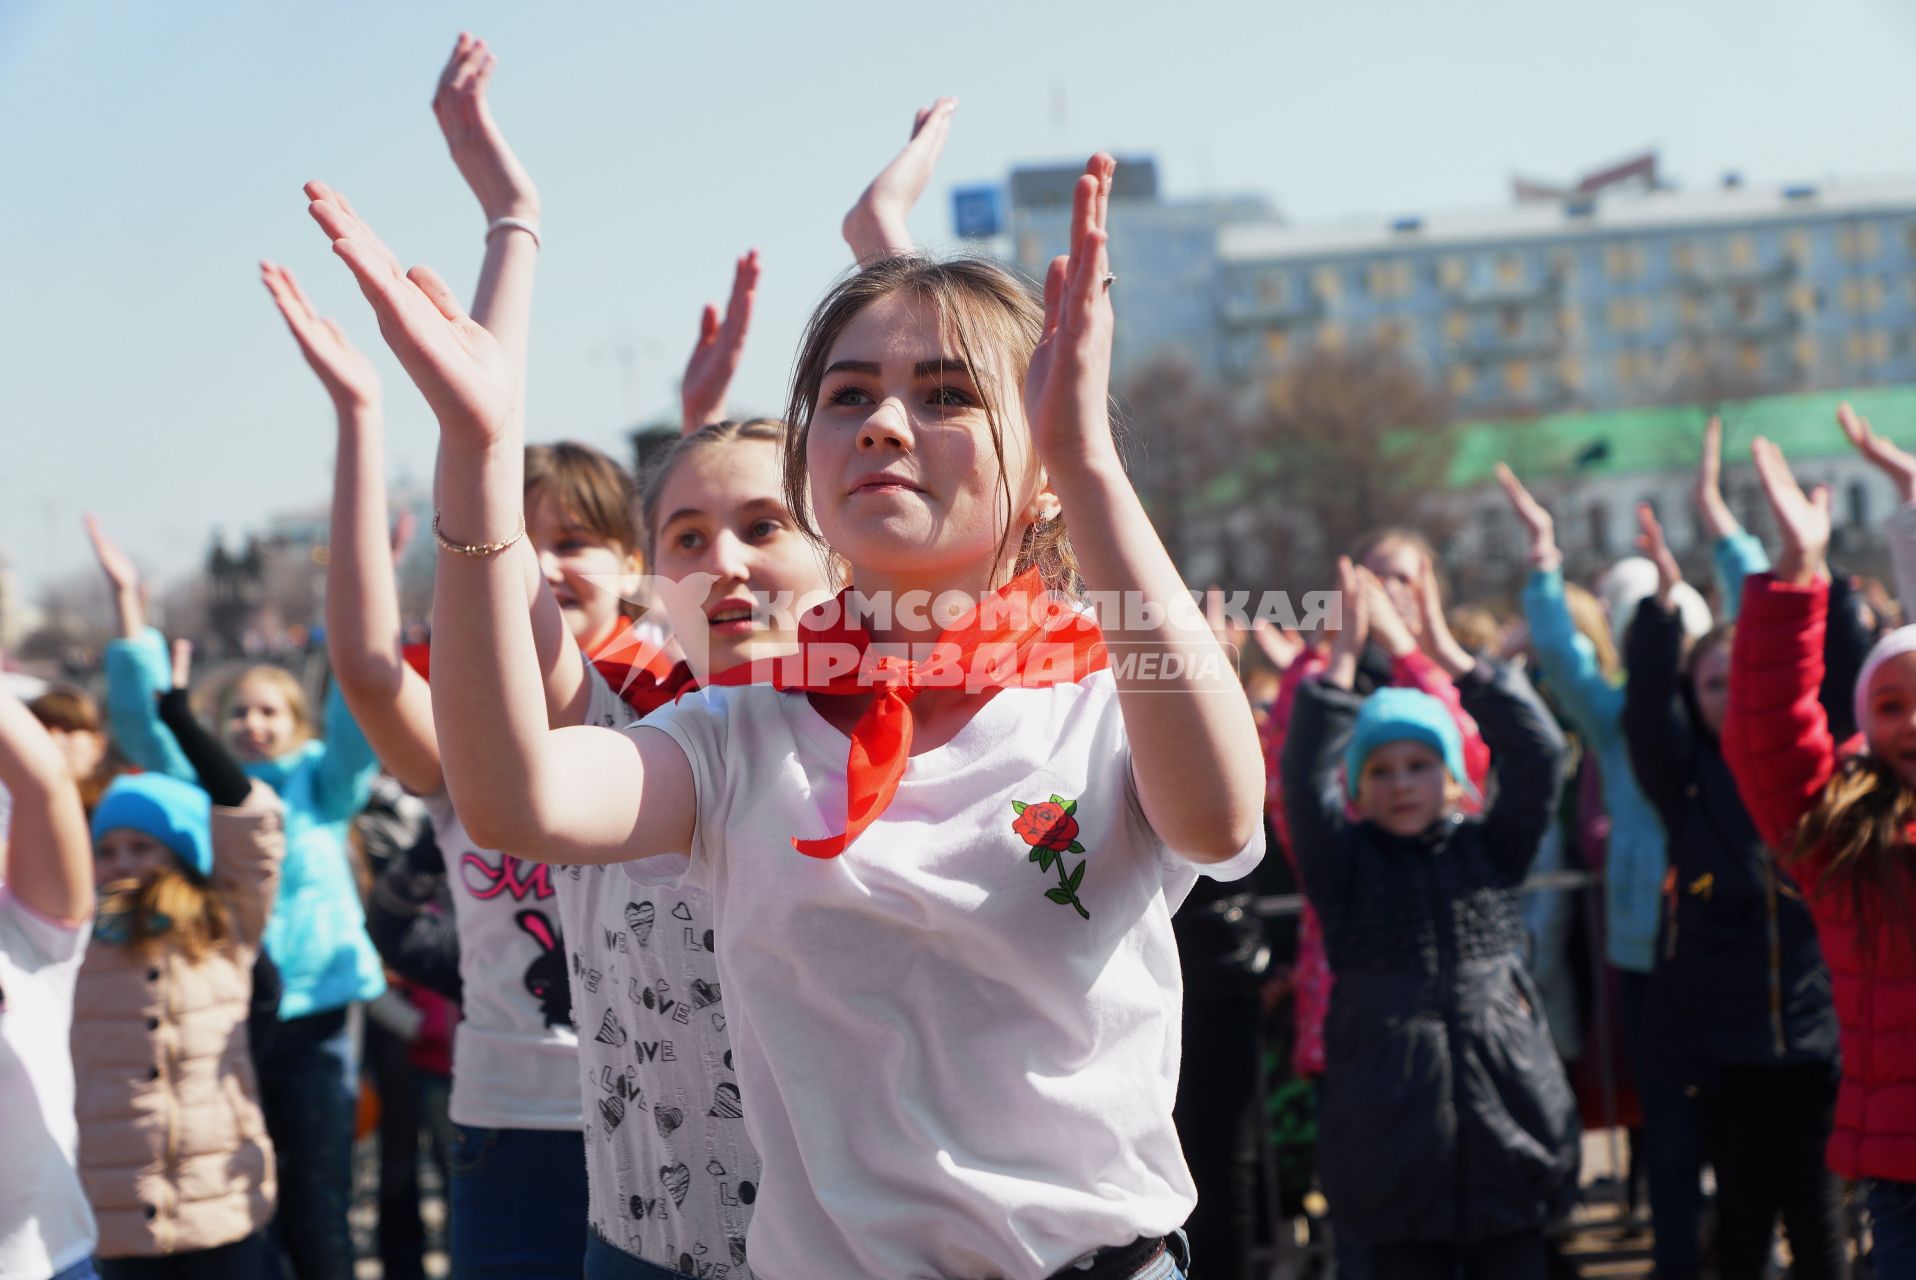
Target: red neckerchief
(636, 670)
(1035, 640)
(632, 667)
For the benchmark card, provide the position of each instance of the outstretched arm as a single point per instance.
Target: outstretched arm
(48, 852)
(715, 356)
(1900, 467)
(567, 795)
(386, 696)
(122, 579)
(875, 227)
(1194, 749)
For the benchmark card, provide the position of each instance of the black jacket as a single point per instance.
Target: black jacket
(1739, 977)
(1445, 1113)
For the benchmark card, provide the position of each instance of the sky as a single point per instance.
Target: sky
(151, 154)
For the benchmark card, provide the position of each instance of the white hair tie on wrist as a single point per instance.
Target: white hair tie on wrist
(513, 224)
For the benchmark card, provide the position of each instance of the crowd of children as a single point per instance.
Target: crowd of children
(801, 847)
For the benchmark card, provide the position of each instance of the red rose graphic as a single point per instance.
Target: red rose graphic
(1046, 826)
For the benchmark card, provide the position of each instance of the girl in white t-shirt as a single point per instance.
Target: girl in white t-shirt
(518, 1192)
(673, 1174)
(943, 879)
(46, 910)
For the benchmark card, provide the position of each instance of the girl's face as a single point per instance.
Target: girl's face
(905, 483)
(1399, 566)
(1890, 716)
(126, 854)
(260, 724)
(84, 750)
(1710, 681)
(723, 522)
(590, 575)
(1403, 788)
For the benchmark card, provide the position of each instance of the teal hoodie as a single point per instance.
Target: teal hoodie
(1638, 849)
(317, 932)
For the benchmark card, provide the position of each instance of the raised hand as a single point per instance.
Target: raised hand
(875, 227)
(1881, 453)
(1650, 540)
(478, 148)
(182, 662)
(1068, 384)
(1535, 518)
(1279, 647)
(1387, 625)
(123, 576)
(1353, 632)
(1435, 634)
(715, 357)
(1709, 483)
(1802, 521)
(343, 369)
(467, 379)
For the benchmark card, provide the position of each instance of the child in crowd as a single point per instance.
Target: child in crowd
(1448, 1137)
(1841, 821)
(47, 1230)
(173, 1151)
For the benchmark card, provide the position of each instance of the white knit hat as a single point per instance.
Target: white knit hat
(1893, 645)
(1634, 579)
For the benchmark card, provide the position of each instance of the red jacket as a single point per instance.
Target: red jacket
(1777, 741)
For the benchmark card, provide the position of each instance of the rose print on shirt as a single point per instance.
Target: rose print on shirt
(1050, 827)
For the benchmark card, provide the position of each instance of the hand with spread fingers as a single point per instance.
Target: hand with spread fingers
(1068, 385)
(343, 369)
(1353, 631)
(1536, 520)
(875, 227)
(478, 147)
(122, 577)
(1881, 452)
(1802, 520)
(468, 380)
(721, 344)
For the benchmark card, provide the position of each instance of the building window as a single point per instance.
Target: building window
(1331, 336)
(1743, 301)
(1796, 246)
(1742, 250)
(1509, 269)
(1749, 357)
(1461, 380)
(1683, 256)
(1803, 298)
(1623, 260)
(1452, 271)
(1517, 377)
(1329, 282)
(1389, 332)
(1277, 346)
(1879, 345)
(1456, 326)
(1856, 347)
(1690, 311)
(1570, 369)
(1272, 288)
(1510, 320)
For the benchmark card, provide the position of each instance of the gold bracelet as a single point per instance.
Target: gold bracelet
(482, 550)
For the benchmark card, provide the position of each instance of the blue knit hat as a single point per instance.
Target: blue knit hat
(1398, 715)
(177, 814)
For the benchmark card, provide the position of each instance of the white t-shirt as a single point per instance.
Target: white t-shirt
(45, 1224)
(948, 1070)
(672, 1173)
(515, 1056)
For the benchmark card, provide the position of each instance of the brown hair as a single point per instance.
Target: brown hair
(1475, 627)
(194, 914)
(68, 710)
(588, 487)
(288, 685)
(1586, 614)
(1392, 535)
(990, 312)
(765, 430)
(1861, 820)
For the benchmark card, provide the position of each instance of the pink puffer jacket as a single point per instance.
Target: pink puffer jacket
(173, 1149)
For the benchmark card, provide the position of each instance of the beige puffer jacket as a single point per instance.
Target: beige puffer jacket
(173, 1148)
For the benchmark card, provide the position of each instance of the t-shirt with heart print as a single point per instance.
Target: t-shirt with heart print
(671, 1172)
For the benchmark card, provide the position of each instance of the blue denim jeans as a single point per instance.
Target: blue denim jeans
(606, 1261)
(311, 1111)
(1673, 1138)
(1892, 1218)
(518, 1204)
(81, 1270)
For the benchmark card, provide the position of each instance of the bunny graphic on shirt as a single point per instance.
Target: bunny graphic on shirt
(545, 977)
